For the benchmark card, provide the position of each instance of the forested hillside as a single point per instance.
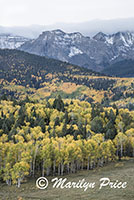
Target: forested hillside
(124, 68)
(32, 71)
(23, 74)
(58, 137)
(56, 118)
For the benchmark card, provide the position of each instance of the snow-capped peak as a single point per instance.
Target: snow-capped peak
(11, 41)
(100, 36)
(57, 31)
(126, 38)
(92, 52)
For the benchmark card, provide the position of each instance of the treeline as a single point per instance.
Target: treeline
(58, 137)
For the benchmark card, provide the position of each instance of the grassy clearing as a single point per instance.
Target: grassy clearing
(122, 171)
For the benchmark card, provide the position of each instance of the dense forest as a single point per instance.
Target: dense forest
(59, 136)
(124, 68)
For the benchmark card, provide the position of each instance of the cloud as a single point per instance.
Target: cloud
(45, 12)
(89, 28)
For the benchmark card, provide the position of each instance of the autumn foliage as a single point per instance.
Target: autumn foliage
(60, 136)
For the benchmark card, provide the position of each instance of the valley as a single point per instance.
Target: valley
(23, 74)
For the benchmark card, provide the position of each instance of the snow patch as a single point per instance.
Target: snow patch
(74, 51)
(109, 40)
(66, 36)
(114, 57)
(11, 42)
(124, 41)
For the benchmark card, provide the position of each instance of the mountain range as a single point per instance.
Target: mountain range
(97, 53)
(94, 53)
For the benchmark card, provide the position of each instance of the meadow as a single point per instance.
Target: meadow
(122, 171)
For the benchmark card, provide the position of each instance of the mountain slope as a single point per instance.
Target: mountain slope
(95, 53)
(23, 74)
(124, 68)
(27, 69)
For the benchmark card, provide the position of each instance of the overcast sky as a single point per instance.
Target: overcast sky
(45, 12)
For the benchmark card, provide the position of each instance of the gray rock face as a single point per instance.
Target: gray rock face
(95, 53)
(9, 41)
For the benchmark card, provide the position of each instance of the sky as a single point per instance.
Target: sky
(46, 12)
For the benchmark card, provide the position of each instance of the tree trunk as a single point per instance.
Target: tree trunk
(59, 170)
(88, 164)
(19, 181)
(62, 168)
(121, 150)
(48, 171)
(34, 159)
(82, 165)
(43, 173)
(54, 166)
(68, 168)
